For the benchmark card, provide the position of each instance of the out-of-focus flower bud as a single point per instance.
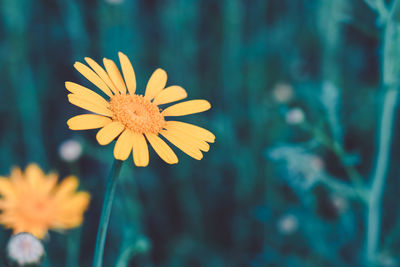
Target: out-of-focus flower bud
(282, 92)
(288, 224)
(142, 245)
(384, 259)
(317, 164)
(115, 2)
(295, 116)
(341, 204)
(24, 249)
(70, 150)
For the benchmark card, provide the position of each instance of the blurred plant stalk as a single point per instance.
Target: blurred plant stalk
(26, 89)
(105, 213)
(357, 186)
(391, 82)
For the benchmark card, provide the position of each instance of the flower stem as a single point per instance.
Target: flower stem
(105, 213)
(379, 177)
(73, 247)
(391, 82)
(335, 147)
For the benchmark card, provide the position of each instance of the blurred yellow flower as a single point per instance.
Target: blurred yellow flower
(33, 202)
(135, 118)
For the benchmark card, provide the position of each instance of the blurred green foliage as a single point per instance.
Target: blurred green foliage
(270, 192)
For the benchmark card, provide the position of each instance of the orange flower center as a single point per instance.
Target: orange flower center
(39, 210)
(137, 113)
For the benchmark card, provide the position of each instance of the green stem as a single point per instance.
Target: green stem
(351, 171)
(380, 173)
(339, 187)
(74, 235)
(381, 8)
(125, 256)
(105, 213)
(391, 82)
(73, 247)
(46, 260)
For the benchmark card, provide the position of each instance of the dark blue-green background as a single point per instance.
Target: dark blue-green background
(256, 199)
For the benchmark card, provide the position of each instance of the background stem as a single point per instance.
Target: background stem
(105, 213)
(379, 177)
(391, 82)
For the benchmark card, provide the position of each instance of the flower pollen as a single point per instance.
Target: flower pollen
(137, 113)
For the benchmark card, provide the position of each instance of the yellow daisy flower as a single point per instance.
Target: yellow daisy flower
(33, 202)
(136, 118)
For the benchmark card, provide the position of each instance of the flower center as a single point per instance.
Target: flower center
(36, 209)
(137, 113)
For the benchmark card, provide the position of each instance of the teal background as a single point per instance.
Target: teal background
(270, 192)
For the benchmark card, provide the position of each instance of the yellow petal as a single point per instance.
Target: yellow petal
(90, 106)
(129, 73)
(115, 75)
(109, 132)
(49, 183)
(76, 204)
(193, 130)
(86, 93)
(181, 143)
(7, 219)
(66, 187)
(92, 76)
(16, 174)
(6, 188)
(162, 149)
(34, 176)
(156, 83)
(170, 94)
(190, 139)
(67, 221)
(102, 74)
(187, 107)
(88, 121)
(38, 232)
(17, 179)
(140, 150)
(123, 146)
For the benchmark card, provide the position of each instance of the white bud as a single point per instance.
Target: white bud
(114, 2)
(142, 244)
(340, 203)
(282, 92)
(386, 260)
(70, 150)
(317, 164)
(295, 116)
(25, 249)
(288, 224)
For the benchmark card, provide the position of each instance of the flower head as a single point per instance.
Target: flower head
(33, 202)
(282, 92)
(288, 224)
(24, 249)
(70, 150)
(133, 119)
(295, 116)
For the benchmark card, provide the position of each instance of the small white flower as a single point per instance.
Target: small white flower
(340, 203)
(387, 260)
(142, 244)
(297, 165)
(282, 92)
(317, 164)
(115, 2)
(24, 249)
(295, 116)
(70, 150)
(288, 224)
